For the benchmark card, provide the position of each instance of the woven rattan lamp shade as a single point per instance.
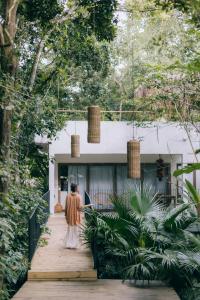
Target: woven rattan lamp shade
(75, 146)
(133, 159)
(94, 124)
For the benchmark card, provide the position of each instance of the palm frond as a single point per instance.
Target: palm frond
(192, 239)
(144, 270)
(170, 220)
(189, 261)
(142, 240)
(145, 202)
(193, 193)
(121, 207)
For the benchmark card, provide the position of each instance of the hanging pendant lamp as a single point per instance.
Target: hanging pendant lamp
(160, 168)
(75, 146)
(94, 124)
(133, 159)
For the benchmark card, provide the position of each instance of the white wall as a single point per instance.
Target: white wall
(168, 139)
(158, 138)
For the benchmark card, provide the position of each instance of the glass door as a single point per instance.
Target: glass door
(78, 174)
(101, 185)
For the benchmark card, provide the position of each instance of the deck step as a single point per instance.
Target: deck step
(60, 275)
(89, 290)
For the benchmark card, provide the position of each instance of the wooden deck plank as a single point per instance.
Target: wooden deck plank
(69, 275)
(101, 289)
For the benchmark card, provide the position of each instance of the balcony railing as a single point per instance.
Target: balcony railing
(102, 199)
(34, 227)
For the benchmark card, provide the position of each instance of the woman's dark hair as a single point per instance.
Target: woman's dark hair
(73, 187)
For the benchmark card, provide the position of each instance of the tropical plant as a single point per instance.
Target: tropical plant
(187, 169)
(142, 240)
(193, 194)
(14, 215)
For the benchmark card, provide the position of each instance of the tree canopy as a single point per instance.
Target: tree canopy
(142, 57)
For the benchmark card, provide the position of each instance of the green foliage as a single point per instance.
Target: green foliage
(101, 15)
(22, 201)
(60, 52)
(40, 10)
(154, 66)
(153, 243)
(191, 8)
(187, 169)
(143, 201)
(193, 193)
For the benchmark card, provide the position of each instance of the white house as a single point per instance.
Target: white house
(101, 168)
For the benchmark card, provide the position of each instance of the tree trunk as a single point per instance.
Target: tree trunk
(8, 63)
(36, 63)
(5, 135)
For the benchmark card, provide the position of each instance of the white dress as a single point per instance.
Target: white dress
(72, 239)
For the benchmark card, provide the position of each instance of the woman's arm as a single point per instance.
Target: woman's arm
(79, 206)
(66, 206)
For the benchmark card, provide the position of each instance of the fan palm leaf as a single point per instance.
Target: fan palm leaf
(144, 201)
(171, 220)
(192, 239)
(193, 193)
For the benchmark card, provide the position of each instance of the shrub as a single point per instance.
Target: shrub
(141, 240)
(14, 215)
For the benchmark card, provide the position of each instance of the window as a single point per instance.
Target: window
(101, 178)
(63, 176)
(78, 174)
(123, 183)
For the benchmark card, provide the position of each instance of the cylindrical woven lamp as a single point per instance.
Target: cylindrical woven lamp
(94, 124)
(75, 146)
(133, 159)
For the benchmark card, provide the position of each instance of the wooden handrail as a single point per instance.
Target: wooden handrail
(103, 111)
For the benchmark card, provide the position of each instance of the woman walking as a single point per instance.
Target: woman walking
(73, 217)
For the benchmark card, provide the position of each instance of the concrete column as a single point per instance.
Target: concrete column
(56, 183)
(176, 159)
(52, 184)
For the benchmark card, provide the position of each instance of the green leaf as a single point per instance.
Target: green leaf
(170, 219)
(187, 169)
(197, 151)
(192, 191)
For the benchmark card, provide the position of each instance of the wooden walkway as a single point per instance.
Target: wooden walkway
(55, 262)
(58, 273)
